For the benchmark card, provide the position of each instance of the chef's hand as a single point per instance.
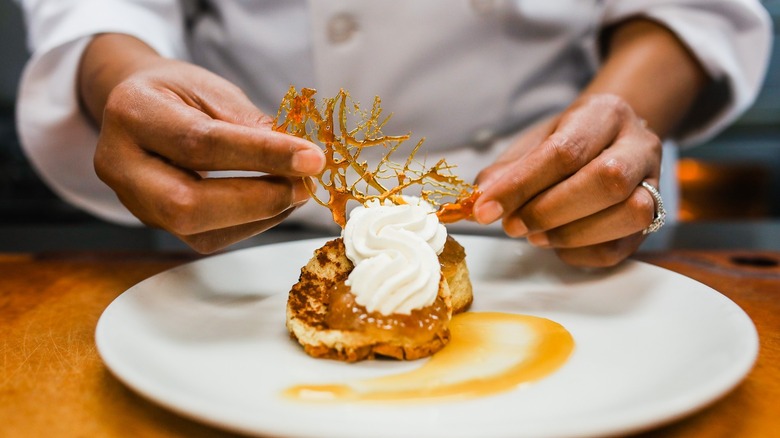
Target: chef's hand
(572, 183)
(164, 123)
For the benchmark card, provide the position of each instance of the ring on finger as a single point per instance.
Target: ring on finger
(659, 216)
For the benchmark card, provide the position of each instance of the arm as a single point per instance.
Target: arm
(165, 122)
(648, 67)
(572, 182)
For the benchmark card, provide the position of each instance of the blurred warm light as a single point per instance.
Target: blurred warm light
(722, 191)
(685, 214)
(690, 170)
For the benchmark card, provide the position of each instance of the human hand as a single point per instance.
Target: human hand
(572, 183)
(167, 123)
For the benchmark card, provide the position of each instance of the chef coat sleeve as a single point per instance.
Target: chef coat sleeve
(732, 41)
(56, 136)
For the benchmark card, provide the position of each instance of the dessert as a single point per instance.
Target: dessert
(391, 283)
(394, 302)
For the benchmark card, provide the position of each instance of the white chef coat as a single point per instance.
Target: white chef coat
(467, 75)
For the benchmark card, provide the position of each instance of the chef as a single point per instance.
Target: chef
(557, 109)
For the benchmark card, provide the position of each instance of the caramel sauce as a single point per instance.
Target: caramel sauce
(488, 353)
(419, 326)
(345, 177)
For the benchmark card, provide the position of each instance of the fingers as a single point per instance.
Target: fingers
(628, 217)
(210, 241)
(602, 255)
(182, 202)
(205, 144)
(582, 133)
(578, 190)
(168, 122)
(191, 138)
(606, 181)
(202, 205)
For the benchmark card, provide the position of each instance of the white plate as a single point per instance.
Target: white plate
(207, 339)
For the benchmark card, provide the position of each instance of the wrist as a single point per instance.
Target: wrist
(652, 70)
(107, 61)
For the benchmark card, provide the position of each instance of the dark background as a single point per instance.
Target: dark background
(731, 185)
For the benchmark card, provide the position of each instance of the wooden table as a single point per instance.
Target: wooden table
(52, 382)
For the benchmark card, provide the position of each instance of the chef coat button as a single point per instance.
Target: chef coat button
(483, 137)
(341, 28)
(483, 7)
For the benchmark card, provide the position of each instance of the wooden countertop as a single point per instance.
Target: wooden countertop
(53, 383)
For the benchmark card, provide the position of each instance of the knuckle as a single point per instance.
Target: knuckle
(196, 145)
(641, 207)
(535, 217)
(116, 103)
(113, 109)
(279, 196)
(612, 103)
(615, 179)
(513, 192)
(568, 152)
(264, 121)
(654, 142)
(180, 214)
(125, 102)
(109, 160)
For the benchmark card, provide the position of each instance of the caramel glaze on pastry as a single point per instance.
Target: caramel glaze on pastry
(325, 319)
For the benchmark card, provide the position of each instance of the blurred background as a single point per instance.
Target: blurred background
(730, 186)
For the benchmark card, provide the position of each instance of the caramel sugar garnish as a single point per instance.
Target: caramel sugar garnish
(346, 177)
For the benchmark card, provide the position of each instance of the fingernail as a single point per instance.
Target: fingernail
(516, 227)
(308, 161)
(539, 239)
(489, 212)
(300, 193)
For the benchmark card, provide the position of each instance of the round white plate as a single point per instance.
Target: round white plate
(207, 339)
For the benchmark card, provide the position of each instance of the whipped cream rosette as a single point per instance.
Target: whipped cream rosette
(394, 249)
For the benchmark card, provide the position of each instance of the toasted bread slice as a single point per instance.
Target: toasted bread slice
(323, 317)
